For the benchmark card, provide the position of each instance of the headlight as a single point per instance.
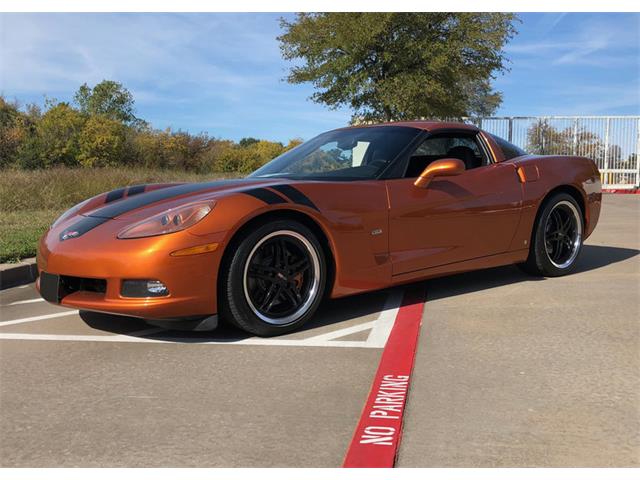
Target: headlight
(169, 221)
(71, 212)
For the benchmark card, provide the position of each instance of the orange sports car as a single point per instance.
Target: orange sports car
(351, 210)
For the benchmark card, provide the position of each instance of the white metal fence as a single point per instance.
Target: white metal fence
(613, 142)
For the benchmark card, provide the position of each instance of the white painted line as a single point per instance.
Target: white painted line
(192, 341)
(307, 342)
(383, 325)
(38, 318)
(380, 327)
(23, 302)
(343, 332)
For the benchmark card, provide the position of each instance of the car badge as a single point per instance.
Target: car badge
(69, 234)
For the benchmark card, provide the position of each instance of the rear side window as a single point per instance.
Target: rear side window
(464, 147)
(509, 150)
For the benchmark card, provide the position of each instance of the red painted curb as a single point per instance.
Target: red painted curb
(376, 439)
(622, 190)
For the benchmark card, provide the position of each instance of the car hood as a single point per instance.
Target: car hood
(153, 198)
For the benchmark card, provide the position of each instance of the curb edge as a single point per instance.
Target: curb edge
(16, 274)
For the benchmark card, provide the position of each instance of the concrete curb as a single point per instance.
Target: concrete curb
(15, 274)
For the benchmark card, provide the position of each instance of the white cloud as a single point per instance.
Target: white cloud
(42, 51)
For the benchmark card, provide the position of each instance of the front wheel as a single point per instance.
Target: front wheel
(275, 279)
(557, 237)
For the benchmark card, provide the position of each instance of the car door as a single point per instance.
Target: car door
(457, 218)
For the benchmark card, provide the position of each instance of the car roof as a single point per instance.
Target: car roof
(428, 125)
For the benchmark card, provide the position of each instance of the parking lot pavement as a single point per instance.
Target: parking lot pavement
(510, 370)
(515, 371)
(101, 390)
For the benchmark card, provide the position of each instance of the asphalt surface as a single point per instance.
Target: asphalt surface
(510, 371)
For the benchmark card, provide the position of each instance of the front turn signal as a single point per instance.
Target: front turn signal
(209, 247)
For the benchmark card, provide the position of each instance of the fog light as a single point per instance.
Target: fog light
(144, 288)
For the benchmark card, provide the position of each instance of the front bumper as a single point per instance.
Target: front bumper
(99, 255)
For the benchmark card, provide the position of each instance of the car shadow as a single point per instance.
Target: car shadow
(342, 310)
(332, 311)
(592, 257)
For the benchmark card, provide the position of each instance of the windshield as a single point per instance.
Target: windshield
(349, 154)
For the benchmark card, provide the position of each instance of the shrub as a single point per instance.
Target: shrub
(56, 140)
(102, 131)
(102, 142)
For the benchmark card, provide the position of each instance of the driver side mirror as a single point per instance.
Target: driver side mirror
(445, 167)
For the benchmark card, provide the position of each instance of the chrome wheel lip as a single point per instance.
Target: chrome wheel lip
(576, 241)
(313, 290)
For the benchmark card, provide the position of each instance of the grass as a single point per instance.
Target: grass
(31, 200)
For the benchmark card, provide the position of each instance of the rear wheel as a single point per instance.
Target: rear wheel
(557, 237)
(275, 279)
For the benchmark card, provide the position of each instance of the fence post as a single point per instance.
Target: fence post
(637, 185)
(510, 130)
(575, 136)
(606, 152)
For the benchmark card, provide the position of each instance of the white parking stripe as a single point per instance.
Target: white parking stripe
(377, 338)
(193, 341)
(383, 325)
(380, 327)
(342, 332)
(23, 302)
(39, 317)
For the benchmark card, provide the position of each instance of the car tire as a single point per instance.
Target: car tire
(274, 280)
(557, 237)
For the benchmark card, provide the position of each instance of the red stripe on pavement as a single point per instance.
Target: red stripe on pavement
(376, 439)
(634, 191)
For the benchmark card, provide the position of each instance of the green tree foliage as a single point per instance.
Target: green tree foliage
(246, 141)
(55, 139)
(11, 133)
(247, 159)
(107, 98)
(393, 66)
(102, 131)
(102, 142)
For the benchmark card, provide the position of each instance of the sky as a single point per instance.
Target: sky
(223, 73)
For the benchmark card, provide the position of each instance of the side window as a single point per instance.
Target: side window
(432, 146)
(508, 149)
(460, 146)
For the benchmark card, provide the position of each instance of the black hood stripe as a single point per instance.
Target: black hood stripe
(102, 215)
(267, 196)
(115, 195)
(135, 190)
(154, 196)
(295, 195)
(81, 227)
(141, 199)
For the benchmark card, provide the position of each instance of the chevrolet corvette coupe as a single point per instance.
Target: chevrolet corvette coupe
(349, 211)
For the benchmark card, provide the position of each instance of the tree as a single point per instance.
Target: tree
(56, 138)
(393, 66)
(101, 142)
(483, 102)
(107, 98)
(247, 158)
(545, 139)
(11, 133)
(246, 141)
